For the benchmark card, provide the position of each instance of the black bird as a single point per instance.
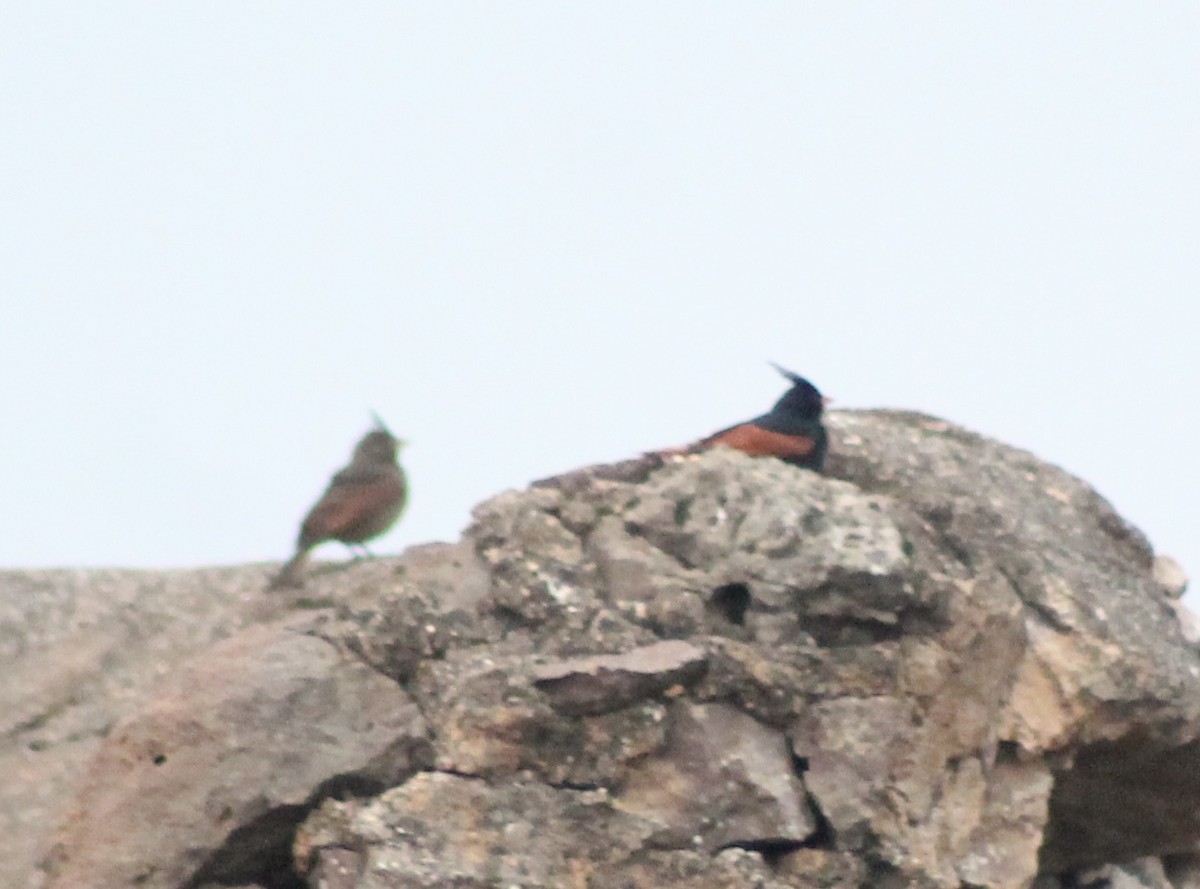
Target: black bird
(791, 430)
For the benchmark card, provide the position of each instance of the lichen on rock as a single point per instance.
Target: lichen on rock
(941, 664)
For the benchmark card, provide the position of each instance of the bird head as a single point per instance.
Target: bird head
(803, 399)
(380, 426)
(378, 445)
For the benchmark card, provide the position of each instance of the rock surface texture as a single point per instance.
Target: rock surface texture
(942, 664)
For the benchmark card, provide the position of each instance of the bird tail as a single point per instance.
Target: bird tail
(289, 575)
(678, 451)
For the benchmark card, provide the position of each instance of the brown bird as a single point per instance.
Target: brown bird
(363, 500)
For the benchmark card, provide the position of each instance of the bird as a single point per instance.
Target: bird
(363, 500)
(791, 431)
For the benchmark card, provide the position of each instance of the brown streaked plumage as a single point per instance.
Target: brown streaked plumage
(363, 500)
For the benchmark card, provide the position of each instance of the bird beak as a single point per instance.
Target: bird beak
(379, 423)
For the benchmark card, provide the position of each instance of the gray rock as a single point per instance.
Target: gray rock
(847, 746)
(488, 719)
(1008, 833)
(812, 554)
(1189, 623)
(337, 869)
(602, 683)
(444, 830)
(823, 867)
(943, 664)
(1104, 661)
(78, 646)
(438, 830)
(723, 780)
(1170, 576)
(396, 626)
(212, 775)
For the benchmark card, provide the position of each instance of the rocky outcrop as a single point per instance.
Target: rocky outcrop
(243, 738)
(78, 647)
(941, 664)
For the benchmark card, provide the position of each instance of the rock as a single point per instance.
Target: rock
(488, 719)
(1145, 873)
(603, 683)
(210, 778)
(943, 665)
(846, 746)
(462, 832)
(1004, 845)
(77, 647)
(337, 869)
(1189, 623)
(722, 780)
(1170, 576)
(428, 606)
(804, 550)
(1104, 662)
(824, 868)
(776, 684)
(1183, 871)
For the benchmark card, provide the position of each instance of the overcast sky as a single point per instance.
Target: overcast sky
(538, 235)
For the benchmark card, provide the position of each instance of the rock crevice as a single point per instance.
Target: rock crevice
(941, 664)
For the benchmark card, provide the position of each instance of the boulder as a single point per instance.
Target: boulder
(210, 777)
(943, 663)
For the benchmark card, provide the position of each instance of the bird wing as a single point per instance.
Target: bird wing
(758, 442)
(342, 509)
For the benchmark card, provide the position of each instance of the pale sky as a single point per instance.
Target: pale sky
(534, 236)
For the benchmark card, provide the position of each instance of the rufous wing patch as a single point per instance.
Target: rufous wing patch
(759, 442)
(344, 508)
